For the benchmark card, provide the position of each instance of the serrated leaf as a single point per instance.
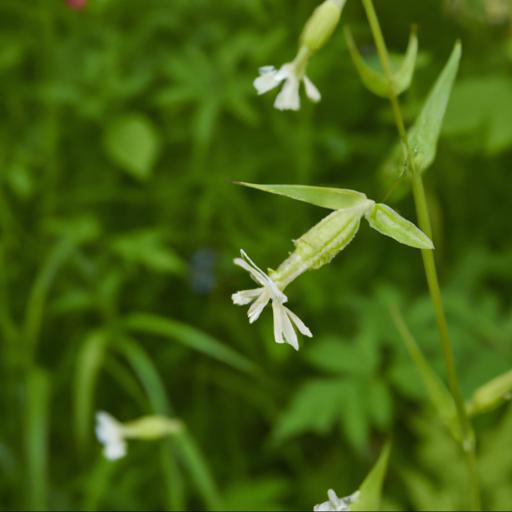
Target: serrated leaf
(376, 81)
(325, 197)
(387, 221)
(148, 248)
(424, 135)
(371, 489)
(314, 408)
(491, 395)
(131, 141)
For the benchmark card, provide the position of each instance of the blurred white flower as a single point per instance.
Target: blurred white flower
(110, 433)
(335, 504)
(284, 318)
(288, 98)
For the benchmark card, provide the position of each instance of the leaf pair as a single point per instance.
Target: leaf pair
(381, 217)
(424, 134)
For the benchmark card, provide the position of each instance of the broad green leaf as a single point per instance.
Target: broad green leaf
(340, 356)
(89, 359)
(486, 125)
(370, 491)
(314, 408)
(375, 80)
(387, 221)
(36, 439)
(437, 391)
(491, 395)
(191, 338)
(325, 197)
(424, 135)
(132, 142)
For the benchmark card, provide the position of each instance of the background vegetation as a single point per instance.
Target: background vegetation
(122, 127)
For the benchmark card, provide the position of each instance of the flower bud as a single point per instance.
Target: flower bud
(491, 395)
(151, 427)
(321, 24)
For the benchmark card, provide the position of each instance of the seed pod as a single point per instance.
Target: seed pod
(151, 427)
(388, 222)
(321, 243)
(321, 24)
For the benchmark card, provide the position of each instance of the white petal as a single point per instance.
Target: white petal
(311, 91)
(290, 336)
(288, 98)
(245, 296)
(267, 80)
(324, 507)
(115, 450)
(286, 71)
(299, 323)
(278, 312)
(258, 306)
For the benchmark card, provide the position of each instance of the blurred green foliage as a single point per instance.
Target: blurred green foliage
(122, 127)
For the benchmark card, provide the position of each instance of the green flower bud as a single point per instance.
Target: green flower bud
(321, 24)
(151, 427)
(491, 395)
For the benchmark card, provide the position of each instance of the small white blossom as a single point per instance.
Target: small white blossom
(288, 98)
(284, 319)
(335, 504)
(110, 433)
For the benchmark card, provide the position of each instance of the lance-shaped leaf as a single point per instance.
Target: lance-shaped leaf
(388, 222)
(325, 197)
(371, 489)
(376, 81)
(436, 390)
(491, 395)
(424, 134)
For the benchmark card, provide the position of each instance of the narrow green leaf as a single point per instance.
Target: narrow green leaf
(387, 221)
(191, 338)
(370, 491)
(131, 141)
(89, 360)
(376, 81)
(148, 376)
(424, 135)
(491, 395)
(437, 391)
(36, 438)
(184, 443)
(325, 197)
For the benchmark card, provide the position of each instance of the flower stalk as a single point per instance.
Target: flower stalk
(468, 443)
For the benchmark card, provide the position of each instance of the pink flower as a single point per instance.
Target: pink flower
(76, 4)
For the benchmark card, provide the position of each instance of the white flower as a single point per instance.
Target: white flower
(110, 433)
(335, 504)
(284, 319)
(288, 98)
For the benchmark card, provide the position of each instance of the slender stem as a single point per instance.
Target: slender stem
(468, 444)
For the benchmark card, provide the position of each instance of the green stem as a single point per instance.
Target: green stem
(468, 444)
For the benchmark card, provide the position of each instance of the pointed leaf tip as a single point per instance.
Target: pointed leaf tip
(325, 197)
(390, 223)
(371, 488)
